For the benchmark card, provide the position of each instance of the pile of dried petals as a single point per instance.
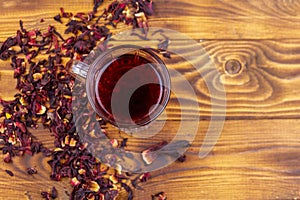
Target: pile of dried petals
(45, 94)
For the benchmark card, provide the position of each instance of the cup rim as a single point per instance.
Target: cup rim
(165, 94)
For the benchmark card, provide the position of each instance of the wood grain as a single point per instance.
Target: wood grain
(213, 19)
(25, 186)
(262, 164)
(264, 87)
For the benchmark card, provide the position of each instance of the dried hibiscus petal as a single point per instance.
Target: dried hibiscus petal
(97, 3)
(159, 196)
(74, 181)
(150, 154)
(45, 195)
(53, 193)
(9, 172)
(93, 186)
(181, 158)
(31, 170)
(144, 177)
(7, 157)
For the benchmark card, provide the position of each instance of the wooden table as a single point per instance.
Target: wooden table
(258, 153)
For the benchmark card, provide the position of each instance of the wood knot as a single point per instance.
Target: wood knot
(233, 66)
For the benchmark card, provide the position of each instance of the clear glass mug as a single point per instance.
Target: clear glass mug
(127, 85)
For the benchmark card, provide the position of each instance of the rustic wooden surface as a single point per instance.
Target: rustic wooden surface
(257, 155)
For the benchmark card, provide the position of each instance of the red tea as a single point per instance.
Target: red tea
(129, 90)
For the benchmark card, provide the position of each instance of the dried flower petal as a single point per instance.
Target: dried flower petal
(114, 143)
(93, 186)
(145, 177)
(21, 126)
(57, 18)
(150, 154)
(124, 143)
(113, 179)
(8, 115)
(12, 140)
(7, 157)
(181, 158)
(67, 140)
(81, 171)
(97, 3)
(2, 128)
(31, 170)
(41, 109)
(118, 168)
(23, 101)
(74, 181)
(73, 142)
(53, 193)
(45, 195)
(37, 76)
(9, 172)
(159, 196)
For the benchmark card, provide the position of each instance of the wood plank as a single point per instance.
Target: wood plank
(253, 159)
(25, 186)
(264, 87)
(202, 19)
(230, 19)
(8, 85)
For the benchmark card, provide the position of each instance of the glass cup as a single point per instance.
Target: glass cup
(127, 85)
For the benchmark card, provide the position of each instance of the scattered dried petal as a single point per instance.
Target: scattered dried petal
(113, 179)
(31, 170)
(7, 157)
(8, 115)
(93, 186)
(124, 143)
(37, 76)
(41, 109)
(9, 172)
(145, 177)
(58, 18)
(159, 196)
(45, 195)
(181, 158)
(81, 171)
(114, 143)
(74, 182)
(53, 193)
(73, 142)
(97, 3)
(150, 154)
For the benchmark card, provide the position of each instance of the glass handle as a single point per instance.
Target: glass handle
(80, 70)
